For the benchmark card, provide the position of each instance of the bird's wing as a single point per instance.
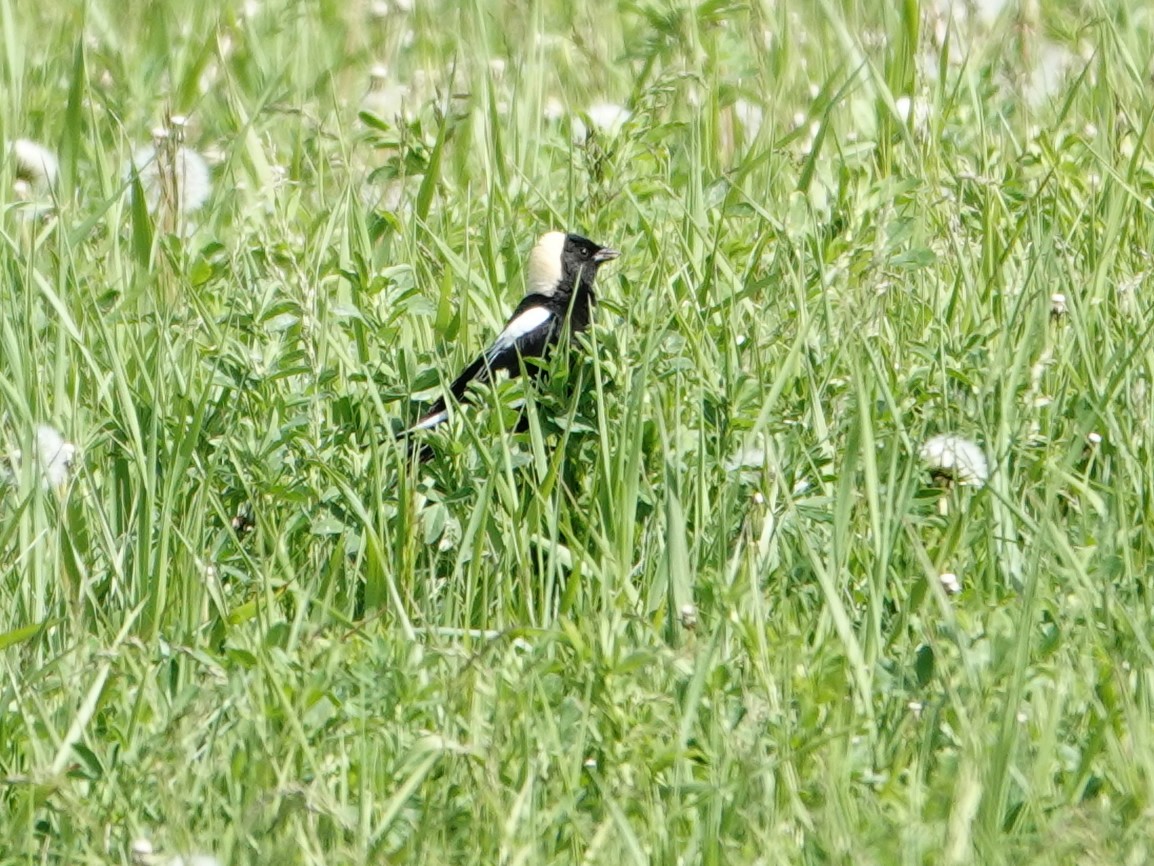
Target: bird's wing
(530, 331)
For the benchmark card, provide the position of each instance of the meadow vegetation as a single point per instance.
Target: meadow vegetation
(713, 606)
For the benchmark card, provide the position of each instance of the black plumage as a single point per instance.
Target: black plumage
(562, 271)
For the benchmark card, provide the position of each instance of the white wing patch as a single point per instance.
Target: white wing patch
(545, 263)
(526, 323)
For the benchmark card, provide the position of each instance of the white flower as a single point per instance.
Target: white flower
(956, 458)
(164, 174)
(607, 117)
(1094, 438)
(35, 164)
(950, 582)
(1057, 305)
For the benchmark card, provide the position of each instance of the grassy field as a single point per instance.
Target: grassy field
(712, 607)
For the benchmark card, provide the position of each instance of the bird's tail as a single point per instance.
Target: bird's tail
(438, 413)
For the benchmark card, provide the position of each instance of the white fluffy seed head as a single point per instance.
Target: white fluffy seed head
(52, 456)
(956, 458)
(553, 109)
(35, 163)
(55, 455)
(688, 616)
(545, 263)
(608, 117)
(141, 847)
(184, 172)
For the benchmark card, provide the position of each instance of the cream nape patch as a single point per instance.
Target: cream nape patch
(545, 263)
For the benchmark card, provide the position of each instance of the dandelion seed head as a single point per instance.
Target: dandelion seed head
(754, 453)
(608, 117)
(987, 11)
(956, 458)
(54, 454)
(393, 197)
(1046, 78)
(749, 115)
(553, 109)
(35, 164)
(916, 112)
(688, 615)
(387, 97)
(189, 178)
(141, 848)
(1057, 305)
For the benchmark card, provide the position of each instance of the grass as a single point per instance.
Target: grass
(695, 613)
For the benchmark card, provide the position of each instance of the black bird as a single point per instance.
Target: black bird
(562, 268)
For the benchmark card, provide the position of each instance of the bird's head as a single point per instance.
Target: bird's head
(559, 260)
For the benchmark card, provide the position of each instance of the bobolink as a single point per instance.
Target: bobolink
(562, 270)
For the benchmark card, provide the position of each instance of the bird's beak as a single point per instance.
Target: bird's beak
(605, 254)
